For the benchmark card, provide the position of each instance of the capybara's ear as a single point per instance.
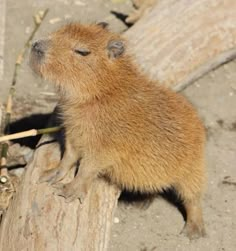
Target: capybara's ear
(115, 48)
(104, 25)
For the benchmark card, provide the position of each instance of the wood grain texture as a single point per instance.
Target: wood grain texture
(180, 40)
(39, 220)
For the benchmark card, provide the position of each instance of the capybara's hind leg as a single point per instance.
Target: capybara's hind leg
(194, 226)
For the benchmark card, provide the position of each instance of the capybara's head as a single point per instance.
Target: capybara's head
(78, 55)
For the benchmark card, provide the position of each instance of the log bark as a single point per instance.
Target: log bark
(181, 40)
(175, 43)
(39, 220)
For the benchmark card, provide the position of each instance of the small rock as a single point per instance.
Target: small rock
(67, 16)
(116, 220)
(80, 3)
(27, 30)
(54, 20)
(118, 1)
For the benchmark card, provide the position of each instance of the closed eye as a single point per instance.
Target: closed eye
(82, 51)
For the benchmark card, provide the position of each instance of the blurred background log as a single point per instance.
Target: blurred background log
(181, 40)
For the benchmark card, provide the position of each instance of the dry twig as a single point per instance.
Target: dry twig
(29, 133)
(38, 18)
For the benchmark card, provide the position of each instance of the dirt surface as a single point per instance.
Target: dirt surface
(158, 227)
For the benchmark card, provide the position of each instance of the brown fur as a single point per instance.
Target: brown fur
(139, 134)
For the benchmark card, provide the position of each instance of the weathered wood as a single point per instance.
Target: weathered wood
(39, 220)
(142, 7)
(180, 40)
(176, 43)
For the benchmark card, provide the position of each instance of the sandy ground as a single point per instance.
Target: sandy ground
(158, 226)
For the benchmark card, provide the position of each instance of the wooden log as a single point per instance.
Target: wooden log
(176, 43)
(39, 220)
(181, 40)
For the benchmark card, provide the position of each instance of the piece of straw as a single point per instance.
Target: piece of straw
(29, 133)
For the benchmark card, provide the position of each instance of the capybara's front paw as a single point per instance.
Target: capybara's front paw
(71, 191)
(52, 176)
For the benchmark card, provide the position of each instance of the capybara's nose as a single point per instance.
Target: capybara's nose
(39, 47)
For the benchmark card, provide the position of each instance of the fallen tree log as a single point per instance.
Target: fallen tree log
(176, 43)
(38, 220)
(181, 40)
